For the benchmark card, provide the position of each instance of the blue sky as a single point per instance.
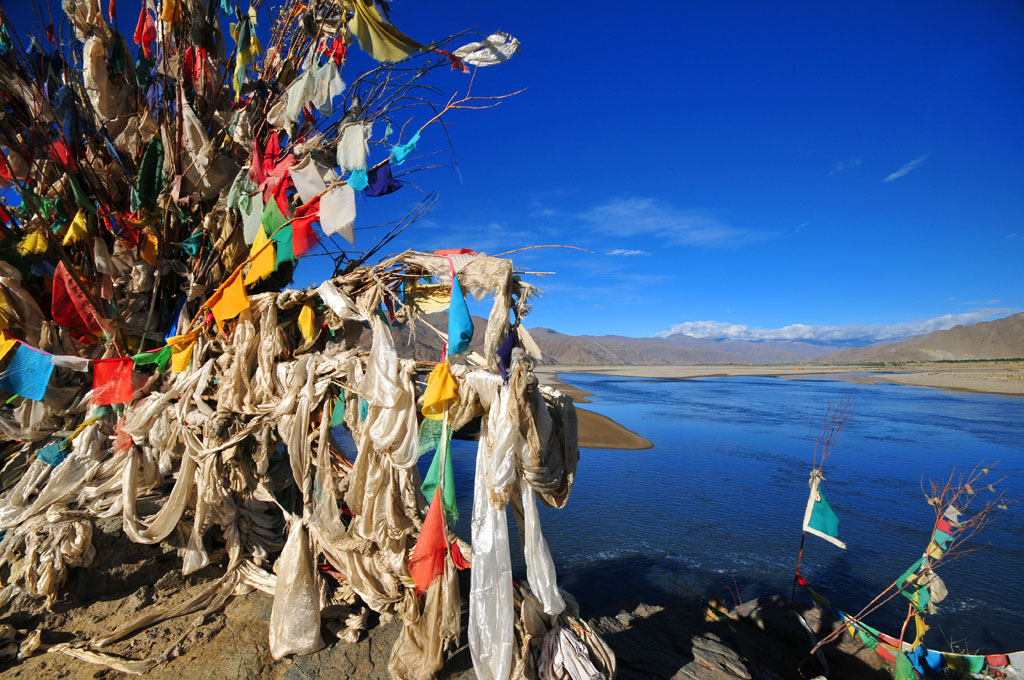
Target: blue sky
(737, 167)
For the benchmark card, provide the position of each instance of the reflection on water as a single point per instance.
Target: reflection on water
(721, 497)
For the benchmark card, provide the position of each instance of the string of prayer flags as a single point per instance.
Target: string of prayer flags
(79, 364)
(229, 300)
(181, 350)
(28, 373)
(112, 381)
(427, 562)
(380, 181)
(441, 393)
(460, 325)
(161, 358)
(306, 178)
(248, 44)
(264, 262)
(819, 518)
(338, 212)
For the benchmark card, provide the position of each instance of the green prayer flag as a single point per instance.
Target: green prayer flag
(150, 175)
(161, 358)
(904, 669)
(192, 244)
(338, 414)
(432, 478)
(273, 219)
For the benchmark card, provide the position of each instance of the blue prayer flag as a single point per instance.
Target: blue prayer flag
(28, 373)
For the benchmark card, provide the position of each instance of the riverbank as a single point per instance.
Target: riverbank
(1004, 377)
(595, 430)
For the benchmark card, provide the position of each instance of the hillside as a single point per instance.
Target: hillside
(999, 339)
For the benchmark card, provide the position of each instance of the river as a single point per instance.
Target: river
(716, 506)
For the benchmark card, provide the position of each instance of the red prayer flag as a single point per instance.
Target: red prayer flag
(112, 381)
(457, 557)
(71, 309)
(427, 561)
(303, 237)
(145, 32)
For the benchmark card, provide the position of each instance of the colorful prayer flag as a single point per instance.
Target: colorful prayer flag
(28, 373)
(229, 300)
(442, 392)
(819, 518)
(428, 556)
(112, 381)
(263, 263)
(181, 350)
(460, 325)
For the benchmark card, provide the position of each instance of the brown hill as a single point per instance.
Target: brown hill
(999, 339)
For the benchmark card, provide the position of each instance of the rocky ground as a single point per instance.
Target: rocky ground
(684, 641)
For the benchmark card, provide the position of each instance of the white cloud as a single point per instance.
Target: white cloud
(637, 216)
(853, 162)
(906, 169)
(623, 252)
(814, 333)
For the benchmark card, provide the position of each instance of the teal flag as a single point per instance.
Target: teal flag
(819, 518)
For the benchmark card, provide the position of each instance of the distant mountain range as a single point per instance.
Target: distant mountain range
(999, 339)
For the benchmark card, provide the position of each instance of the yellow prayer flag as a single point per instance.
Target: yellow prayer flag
(77, 230)
(34, 244)
(442, 391)
(7, 342)
(171, 12)
(306, 320)
(181, 350)
(265, 260)
(229, 300)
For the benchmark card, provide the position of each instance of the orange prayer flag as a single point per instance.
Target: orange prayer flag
(263, 265)
(112, 381)
(229, 300)
(149, 249)
(427, 561)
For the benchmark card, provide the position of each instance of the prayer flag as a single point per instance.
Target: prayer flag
(28, 373)
(7, 342)
(306, 322)
(380, 181)
(181, 350)
(229, 300)
(112, 381)
(55, 453)
(338, 211)
(460, 325)
(303, 237)
(819, 518)
(427, 561)
(434, 474)
(161, 358)
(442, 392)
(77, 230)
(263, 263)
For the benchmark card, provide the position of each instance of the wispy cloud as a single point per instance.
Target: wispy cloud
(853, 162)
(1015, 237)
(907, 168)
(815, 333)
(638, 216)
(626, 253)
